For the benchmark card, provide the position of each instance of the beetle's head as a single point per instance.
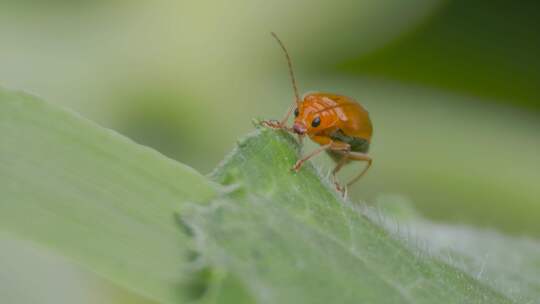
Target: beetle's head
(308, 117)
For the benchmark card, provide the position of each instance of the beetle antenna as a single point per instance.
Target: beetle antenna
(289, 63)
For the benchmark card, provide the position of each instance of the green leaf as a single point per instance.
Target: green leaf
(26, 271)
(274, 237)
(94, 196)
(281, 237)
(508, 264)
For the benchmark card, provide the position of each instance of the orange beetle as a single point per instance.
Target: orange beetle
(337, 123)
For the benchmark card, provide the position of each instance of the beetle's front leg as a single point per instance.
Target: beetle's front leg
(315, 152)
(332, 145)
(274, 124)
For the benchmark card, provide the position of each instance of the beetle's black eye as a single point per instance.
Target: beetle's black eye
(316, 122)
(296, 112)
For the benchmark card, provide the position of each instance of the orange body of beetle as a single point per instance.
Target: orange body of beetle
(340, 125)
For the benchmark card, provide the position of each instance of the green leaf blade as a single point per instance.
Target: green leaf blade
(94, 195)
(289, 238)
(508, 264)
(275, 237)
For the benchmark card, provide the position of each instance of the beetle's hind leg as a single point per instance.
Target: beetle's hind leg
(340, 153)
(347, 157)
(359, 156)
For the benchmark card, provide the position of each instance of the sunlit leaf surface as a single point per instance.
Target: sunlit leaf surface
(94, 195)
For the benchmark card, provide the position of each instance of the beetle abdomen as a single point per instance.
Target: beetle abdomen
(357, 144)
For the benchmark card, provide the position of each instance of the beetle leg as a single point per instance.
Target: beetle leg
(357, 156)
(315, 152)
(345, 149)
(280, 124)
(344, 160)
(301, 142)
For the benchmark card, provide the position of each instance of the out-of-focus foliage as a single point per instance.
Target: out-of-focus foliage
(485, 48)
(30, 274)
(94, 196)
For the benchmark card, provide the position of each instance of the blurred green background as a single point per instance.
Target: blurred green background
(452, 86)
